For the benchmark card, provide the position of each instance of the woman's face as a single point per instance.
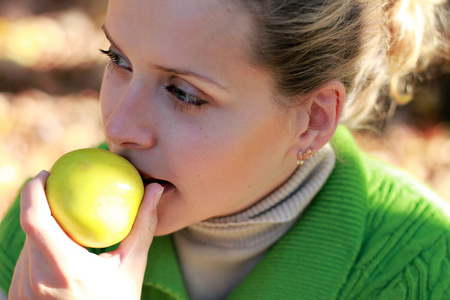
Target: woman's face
(181, 100)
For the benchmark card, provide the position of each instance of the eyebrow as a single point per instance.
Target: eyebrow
(180, 72)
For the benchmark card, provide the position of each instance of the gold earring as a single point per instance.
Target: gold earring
(301, 157)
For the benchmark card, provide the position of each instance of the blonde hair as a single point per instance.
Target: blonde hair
(367, 45)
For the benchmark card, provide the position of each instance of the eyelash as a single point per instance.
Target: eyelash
(115, 61)
(181, 98)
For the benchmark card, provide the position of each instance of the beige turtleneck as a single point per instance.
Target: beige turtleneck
(217, 254)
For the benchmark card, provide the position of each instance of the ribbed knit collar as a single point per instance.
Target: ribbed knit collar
(313, 259)
(217, 254)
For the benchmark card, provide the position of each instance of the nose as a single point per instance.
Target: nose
(127, 119)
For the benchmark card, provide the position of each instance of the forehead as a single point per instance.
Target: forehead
(181, 27)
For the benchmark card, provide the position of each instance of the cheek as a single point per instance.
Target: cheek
(228, 154)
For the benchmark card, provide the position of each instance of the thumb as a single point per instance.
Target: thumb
(134, 248)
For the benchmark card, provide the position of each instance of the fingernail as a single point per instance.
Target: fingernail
(41, 172)
(157, 197)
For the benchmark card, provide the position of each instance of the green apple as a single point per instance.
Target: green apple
(94, 195)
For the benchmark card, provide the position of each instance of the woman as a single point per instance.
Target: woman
(232, 110)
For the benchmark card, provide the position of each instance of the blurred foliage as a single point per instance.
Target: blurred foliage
(50, 76)
(51, 45)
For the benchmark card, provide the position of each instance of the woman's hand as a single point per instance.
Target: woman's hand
(52, 266)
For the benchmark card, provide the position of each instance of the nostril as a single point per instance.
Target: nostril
(126, 132)
(131, 145)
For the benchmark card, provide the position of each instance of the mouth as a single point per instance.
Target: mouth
(147, 179)
(164, 183)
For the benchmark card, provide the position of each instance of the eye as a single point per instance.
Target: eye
(116, 60)
(183, 99)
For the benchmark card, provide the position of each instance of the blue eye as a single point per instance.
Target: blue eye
(115, 59)
(184, 98)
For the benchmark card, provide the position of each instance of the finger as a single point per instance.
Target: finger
(38, 272)
(38, 265)
(40, 226)
(133, 249)
(17, 282)
(21, 282)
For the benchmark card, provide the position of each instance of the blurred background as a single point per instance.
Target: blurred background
(50, 76)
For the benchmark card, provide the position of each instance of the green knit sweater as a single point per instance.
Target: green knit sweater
(372, 232)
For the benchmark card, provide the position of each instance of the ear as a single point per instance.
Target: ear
(324, 110)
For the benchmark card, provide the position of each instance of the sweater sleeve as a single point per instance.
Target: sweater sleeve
(406, 249)
(12, 239)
